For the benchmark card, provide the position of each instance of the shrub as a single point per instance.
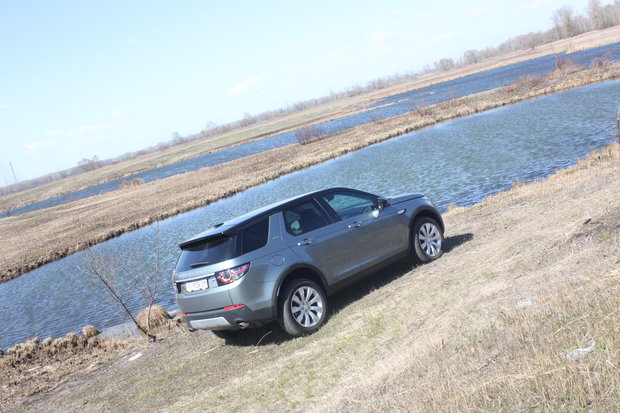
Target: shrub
(24, 351)
(523, 83)
(89, 331)
(152, 317)
(603, 60)
(564, 66)
(309, 134)
(131, 183)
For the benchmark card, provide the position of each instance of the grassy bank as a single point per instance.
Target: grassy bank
(322, 113)
(529, 277)
(39, 237)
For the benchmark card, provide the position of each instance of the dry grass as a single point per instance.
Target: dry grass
(39, 237)
(152, 317)
(130, 183)
(530, 276)
(34, 366)
(89, 331)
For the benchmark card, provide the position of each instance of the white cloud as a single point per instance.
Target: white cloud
(532, 5)
(487, 10)
(382, 37)
(335, 53)
(117, 114)
(40, 146)
(4, 106)
(79, 132)
(82, 131)
(244, 86)
(53, 133)
(442, 36)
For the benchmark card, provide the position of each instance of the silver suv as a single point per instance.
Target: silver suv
(280, 262)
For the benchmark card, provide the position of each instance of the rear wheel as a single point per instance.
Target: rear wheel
(427, 239)
(303, 307)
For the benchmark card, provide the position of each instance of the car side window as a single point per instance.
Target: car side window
(304, 217)
(348, 205)
(255, 236)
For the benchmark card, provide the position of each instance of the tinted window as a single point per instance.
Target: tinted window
(348, 205)
(255, 236)
(206, 252)
(304, 217)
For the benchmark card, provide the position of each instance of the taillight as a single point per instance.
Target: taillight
(231, 274)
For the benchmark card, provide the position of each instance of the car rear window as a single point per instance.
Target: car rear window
(206, 252)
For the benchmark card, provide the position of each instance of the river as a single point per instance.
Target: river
(398, 104)
(456, 162)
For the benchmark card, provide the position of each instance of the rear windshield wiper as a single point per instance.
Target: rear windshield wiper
(199, 264)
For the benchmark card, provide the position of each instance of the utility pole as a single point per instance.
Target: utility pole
(13, 170)
(618, 125)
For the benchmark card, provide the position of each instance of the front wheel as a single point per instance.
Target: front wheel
(427, 239)
(303, 307)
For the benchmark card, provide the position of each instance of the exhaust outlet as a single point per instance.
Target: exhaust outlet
(243, 324)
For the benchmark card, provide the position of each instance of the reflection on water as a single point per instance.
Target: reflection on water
(461, 161)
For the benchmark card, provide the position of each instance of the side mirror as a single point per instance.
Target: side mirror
(382, 203)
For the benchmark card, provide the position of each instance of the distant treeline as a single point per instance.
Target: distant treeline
(565, 24)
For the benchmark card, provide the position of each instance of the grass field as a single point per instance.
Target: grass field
(310, 116)
(530, 276)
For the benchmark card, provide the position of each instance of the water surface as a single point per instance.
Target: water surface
(400, 103)
(457, 162)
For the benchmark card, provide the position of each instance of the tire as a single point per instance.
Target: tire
(303, 307)
(426, 239)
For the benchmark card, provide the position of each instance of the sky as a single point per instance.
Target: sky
(81, 78)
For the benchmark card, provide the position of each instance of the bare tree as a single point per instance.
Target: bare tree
(87, 165)
(595, 14)
(444, 65)
(471, 56)
(309, 134)
(564, 22)
(122, 276)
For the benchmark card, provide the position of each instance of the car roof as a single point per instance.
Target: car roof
(231, 226)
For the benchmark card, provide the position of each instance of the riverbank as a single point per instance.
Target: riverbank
(322, 113)
(33, 239)
(520, 313)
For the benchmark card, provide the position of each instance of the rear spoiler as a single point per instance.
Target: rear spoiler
(191, 242)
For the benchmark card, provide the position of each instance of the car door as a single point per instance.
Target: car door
(319, 240)
(378, 233)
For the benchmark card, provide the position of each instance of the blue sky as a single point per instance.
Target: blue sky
(82, 78)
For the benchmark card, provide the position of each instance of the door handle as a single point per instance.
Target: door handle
(356, 224)
(306, 241)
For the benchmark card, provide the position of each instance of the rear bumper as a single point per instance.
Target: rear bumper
(227, 319)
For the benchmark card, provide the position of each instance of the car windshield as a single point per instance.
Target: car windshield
(206, 252)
